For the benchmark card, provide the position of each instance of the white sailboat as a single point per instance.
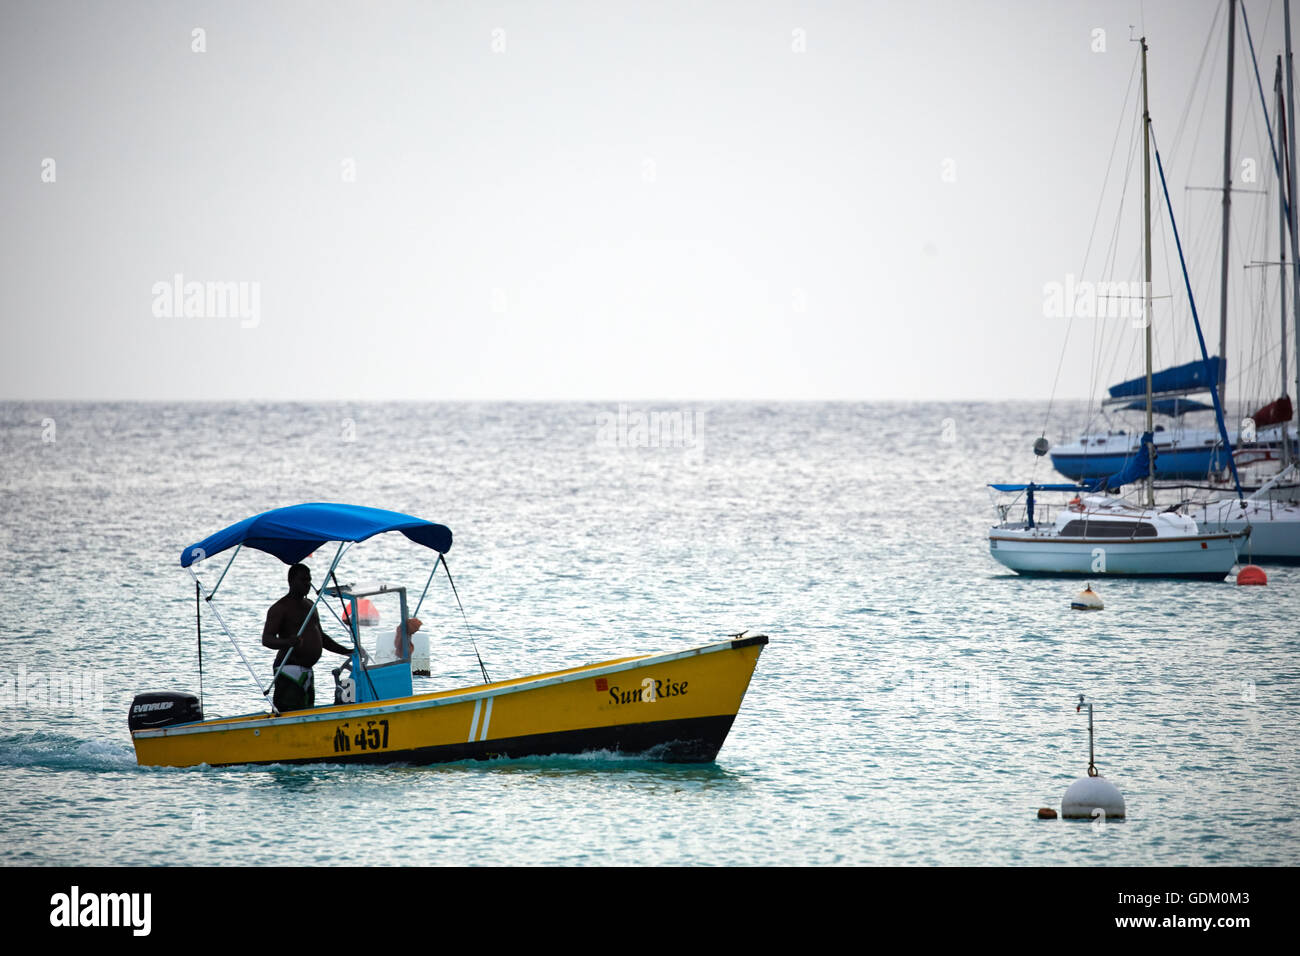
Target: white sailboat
(1098, 535)
(1273, 523)
(1272, 513)
(1184, 452)
(1103, 536)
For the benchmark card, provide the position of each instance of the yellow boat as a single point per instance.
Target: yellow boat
(675, 707)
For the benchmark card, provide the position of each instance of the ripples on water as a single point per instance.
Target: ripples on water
(915, 706)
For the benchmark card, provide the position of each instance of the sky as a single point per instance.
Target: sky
(610, 200)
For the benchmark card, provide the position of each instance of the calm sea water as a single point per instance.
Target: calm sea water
(915, 705)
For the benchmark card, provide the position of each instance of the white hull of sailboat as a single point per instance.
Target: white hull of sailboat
(1274, 527)
(1207, 557)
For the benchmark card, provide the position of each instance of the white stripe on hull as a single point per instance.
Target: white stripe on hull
(473, 724)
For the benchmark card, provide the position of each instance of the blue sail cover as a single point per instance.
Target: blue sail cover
(1036, 487)
(1200, 374)
(293, 533)
(1134, 470)
(1173, 407)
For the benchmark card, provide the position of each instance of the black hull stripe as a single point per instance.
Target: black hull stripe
(693, 740)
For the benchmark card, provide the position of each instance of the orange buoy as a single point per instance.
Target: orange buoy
(1252, 574)
(367, 613)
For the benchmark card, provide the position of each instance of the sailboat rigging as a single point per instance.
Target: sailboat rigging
(1099, 535)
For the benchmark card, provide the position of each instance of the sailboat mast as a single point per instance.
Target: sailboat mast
(1227, 198)
(1146, 272)
(1290, 166)
(1283, 277)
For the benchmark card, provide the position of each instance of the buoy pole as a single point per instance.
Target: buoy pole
(1092, 765)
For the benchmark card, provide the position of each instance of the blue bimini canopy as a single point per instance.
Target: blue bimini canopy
(293, 533)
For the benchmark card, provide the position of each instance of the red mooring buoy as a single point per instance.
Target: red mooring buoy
(367, 613)
(1252, 574)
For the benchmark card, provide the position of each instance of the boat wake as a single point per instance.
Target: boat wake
(605, 761)
(65, 752)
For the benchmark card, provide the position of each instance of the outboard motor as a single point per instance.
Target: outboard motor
(163, 709)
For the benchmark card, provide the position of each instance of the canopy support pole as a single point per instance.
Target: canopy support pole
(235, 644)
(213, 593)
(319, 594)
(355, 631)
(198, 629)
(420, 603)
(330, 607)
(443, 558)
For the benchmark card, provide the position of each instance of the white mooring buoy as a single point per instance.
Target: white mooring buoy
(1087, 600)
(1092, 797)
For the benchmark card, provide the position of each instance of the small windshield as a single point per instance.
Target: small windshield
(382, 631)
(388, 646)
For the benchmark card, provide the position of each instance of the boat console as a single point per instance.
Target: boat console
(381, 669)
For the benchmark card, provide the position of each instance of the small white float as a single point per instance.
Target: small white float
(1087, 600)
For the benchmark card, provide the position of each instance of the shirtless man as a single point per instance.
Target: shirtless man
(295, 687)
